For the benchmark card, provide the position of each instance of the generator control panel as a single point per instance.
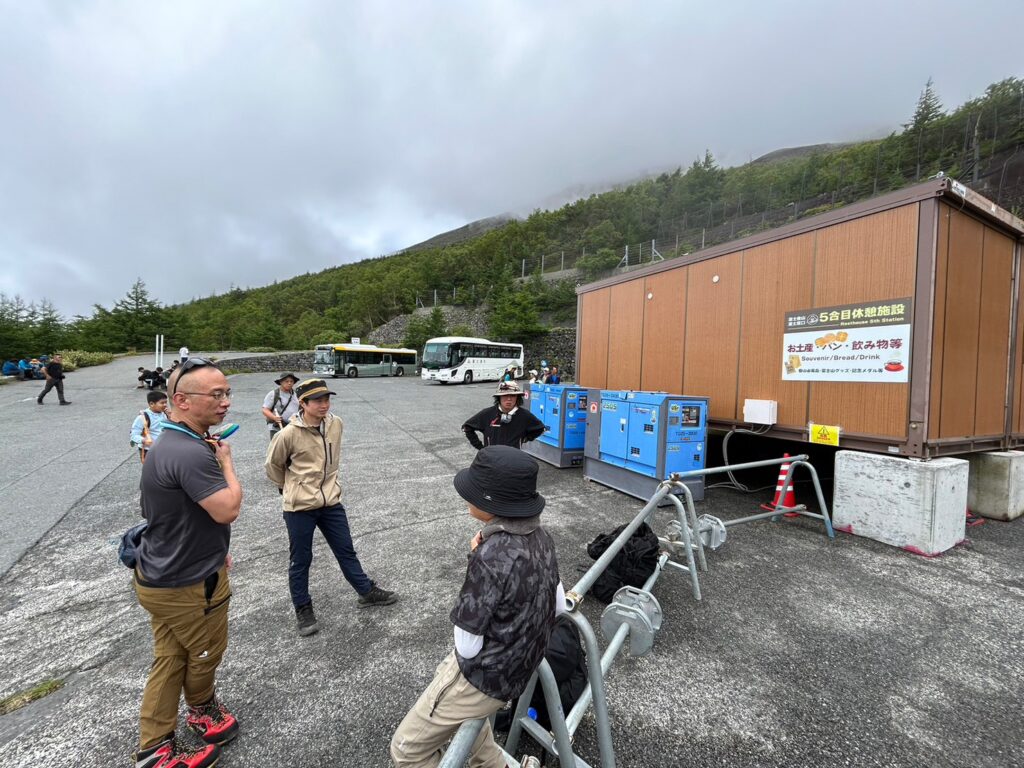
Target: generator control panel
(646, 434)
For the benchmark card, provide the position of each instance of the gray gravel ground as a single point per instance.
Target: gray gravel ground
(803, 652)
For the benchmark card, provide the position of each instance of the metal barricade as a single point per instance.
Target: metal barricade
(633, 615)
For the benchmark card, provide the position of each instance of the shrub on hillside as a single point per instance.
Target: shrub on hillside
(76, 358)
(594, 265)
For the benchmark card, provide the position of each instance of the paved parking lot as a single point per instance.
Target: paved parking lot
(803, 652)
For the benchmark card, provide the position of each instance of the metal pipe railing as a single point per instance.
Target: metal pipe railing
(794, 461)
(575, 716)
(575, 595)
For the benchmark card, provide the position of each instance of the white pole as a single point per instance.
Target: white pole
(156, 351)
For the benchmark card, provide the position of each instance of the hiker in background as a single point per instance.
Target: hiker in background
(505, 422)
(54, 380)
(25, 370)
(280, 404)
(10, 367)
(144, 377)
(545, 374)
(554, 377)
(534, 376)
(149, 423)
(183, 354)
(158, 379)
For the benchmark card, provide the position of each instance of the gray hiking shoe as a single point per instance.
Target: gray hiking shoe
(306, 620)
(377, 596)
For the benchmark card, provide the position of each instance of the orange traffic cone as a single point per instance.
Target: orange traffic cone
(790, 500)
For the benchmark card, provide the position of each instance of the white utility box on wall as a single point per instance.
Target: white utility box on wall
(760, 411)
(916, 505)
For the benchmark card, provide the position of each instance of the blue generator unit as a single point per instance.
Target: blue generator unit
(637, 439)
(563, 409)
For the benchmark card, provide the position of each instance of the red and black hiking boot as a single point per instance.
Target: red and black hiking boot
(167, 755)
(213, 722)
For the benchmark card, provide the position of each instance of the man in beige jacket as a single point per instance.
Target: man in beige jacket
(303, 462)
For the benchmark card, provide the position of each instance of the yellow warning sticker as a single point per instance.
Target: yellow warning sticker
(824, 434)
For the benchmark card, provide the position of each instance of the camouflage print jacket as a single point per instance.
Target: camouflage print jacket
(508, 598)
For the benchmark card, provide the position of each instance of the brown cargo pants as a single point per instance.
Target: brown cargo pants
(190, 634)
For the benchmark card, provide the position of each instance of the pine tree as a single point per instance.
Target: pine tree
(928, 109)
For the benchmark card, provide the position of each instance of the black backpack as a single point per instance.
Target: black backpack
(568, 662)
(631, 567)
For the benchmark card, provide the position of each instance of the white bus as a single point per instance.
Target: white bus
(461, 358)
(354, 360)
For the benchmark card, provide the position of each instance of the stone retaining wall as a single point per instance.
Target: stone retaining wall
(299, 363)
(558, 347)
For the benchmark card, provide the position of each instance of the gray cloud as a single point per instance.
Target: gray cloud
(200, 145)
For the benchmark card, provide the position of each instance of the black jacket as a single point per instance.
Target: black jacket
(522, 426)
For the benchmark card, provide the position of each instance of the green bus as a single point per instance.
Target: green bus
(355, 360)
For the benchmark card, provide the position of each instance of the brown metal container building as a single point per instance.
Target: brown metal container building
(744, 320)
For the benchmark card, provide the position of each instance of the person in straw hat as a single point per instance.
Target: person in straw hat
(503, 616)
(505, 422)
(302, 462)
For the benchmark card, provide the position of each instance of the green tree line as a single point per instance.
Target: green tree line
(975, 143)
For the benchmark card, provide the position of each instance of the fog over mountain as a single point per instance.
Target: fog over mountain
(204, 145)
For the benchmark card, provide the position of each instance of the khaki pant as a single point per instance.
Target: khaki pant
(190, 634)
(447, 703)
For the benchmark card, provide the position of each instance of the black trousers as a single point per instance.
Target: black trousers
(57, 384)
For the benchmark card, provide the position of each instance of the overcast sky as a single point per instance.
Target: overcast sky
(200, 145)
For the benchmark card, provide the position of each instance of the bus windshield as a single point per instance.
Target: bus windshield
(438, 356)
(323, 356)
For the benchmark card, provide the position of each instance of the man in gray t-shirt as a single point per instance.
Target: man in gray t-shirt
(281, 404)
(190, 497)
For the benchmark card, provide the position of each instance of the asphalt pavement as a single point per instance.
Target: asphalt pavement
(803, 651)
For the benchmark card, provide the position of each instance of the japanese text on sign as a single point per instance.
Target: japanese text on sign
(867, 342)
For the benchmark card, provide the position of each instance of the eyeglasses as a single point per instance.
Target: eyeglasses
(190, 364)
(217, 394)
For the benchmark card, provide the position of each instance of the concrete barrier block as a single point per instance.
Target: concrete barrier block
(996, 487)
(917, 505)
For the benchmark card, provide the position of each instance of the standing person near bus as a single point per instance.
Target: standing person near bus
(505, 422)
(281, 404)
(302, 462)
(190, 497)
(554, 377)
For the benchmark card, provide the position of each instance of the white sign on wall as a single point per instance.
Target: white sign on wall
(851, 342)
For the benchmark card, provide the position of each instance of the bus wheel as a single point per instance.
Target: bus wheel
(468, 378)
(400, 372)
(352, 373)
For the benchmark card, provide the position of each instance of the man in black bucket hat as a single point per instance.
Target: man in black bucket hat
(503, 616)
